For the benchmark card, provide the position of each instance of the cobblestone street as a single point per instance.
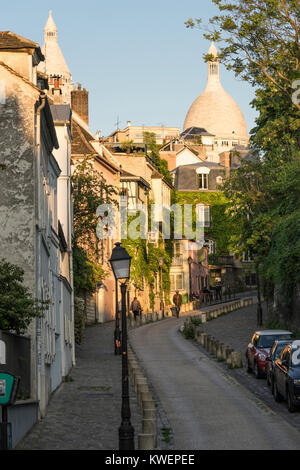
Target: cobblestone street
(85, 412)
(235, 329)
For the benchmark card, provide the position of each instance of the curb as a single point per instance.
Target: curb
(222, 352)
(147, 439)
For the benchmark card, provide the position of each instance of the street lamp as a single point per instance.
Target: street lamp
(120, 264)
(190, 260)
(162, 307)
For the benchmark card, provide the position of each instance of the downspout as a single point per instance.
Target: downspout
(70, 234)
(38, 227)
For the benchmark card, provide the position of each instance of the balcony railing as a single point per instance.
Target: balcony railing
(226, 260)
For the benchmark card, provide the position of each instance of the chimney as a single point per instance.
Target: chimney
(80, 103)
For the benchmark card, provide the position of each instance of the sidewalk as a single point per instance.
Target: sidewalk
(85, 412)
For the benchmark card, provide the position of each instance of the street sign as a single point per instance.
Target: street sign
(8, 388)
(2, 352)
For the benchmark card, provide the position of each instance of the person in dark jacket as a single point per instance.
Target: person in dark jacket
(177, 301)
(136, 307)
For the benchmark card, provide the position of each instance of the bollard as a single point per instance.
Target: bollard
(216, 346)
(159, 315)
(149, 427)
(149, 317)
(149, 413)
(219, 351)
(139, 380)
(141, 388)
(223, 351)
(154, 316)
(228, 356)
(203, 318)
(212, 345)
(201, 339)
(145, 396)
(148, 404)
(236, 360)
(145, 441)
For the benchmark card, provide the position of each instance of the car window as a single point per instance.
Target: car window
(267, 341)
(279, 348)
(285, 354)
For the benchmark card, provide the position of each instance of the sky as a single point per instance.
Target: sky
(137, 59)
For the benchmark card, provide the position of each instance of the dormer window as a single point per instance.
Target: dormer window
(202, 181)
(202, 177)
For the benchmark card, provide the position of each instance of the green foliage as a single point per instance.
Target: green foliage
(189, 330)
(222, 226)
(86, 272)
(145, 262)
(17, 306)
(90, 191)
(261, 41)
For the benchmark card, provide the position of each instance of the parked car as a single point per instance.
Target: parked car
(275, 351)
(259, 349)
(287, 376)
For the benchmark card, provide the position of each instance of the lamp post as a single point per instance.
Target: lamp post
(117, 328)
(190, 260)
(120, 263)
(162, 307)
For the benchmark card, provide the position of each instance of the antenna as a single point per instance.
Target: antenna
(117, 123)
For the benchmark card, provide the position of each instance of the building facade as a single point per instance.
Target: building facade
(29, 213)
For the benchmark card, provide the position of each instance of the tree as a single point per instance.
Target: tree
(90, 191)
(17, 306)
(261, 40)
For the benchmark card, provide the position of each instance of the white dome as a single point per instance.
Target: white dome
(215, 110)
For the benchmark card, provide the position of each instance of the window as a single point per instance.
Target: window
(203, 181)
(213, 69)
(211, 246)
(250, 280)
(225, 143)
(203, 215)
(247, 256)
(176, 281)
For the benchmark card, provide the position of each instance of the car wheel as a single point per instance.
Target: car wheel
(277, 396)
(290, 405)
(257, 372)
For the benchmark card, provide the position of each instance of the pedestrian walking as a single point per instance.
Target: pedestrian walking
(136, 307)
(177, 301)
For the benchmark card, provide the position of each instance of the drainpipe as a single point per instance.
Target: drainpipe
(38, 226)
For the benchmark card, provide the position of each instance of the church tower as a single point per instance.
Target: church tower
(217, 112)
(55, 66)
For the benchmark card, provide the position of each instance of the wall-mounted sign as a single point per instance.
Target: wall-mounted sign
(8, 388)
(2, 352)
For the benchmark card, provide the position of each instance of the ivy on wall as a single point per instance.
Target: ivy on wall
(221, 228)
